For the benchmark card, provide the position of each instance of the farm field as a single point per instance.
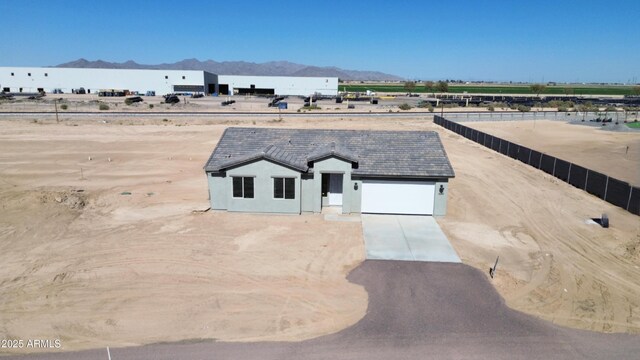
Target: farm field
(576, 90)
(616, 154)
(131, 259)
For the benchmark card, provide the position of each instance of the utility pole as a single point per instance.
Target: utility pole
(55, 104)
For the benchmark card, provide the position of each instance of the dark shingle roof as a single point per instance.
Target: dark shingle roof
(376, 153)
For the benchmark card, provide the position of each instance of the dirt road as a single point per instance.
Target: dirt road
(416, 310)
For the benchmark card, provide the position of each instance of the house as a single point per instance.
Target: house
(273, 170)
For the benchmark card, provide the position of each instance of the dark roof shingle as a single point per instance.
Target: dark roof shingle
(377, 153)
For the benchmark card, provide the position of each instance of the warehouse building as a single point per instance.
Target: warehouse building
(303, 170)
(38, 79)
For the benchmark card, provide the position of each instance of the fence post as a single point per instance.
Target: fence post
(540, 161)
(586, 180)
(554, 166)
(606, 187)
(629, 201)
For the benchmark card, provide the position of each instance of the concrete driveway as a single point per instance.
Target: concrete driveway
(406, 237)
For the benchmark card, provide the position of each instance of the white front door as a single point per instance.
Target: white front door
(335, 189)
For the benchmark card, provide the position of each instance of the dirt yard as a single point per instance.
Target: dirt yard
(591, 147)
(103, 243)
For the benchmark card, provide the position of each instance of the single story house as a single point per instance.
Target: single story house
(303, 170)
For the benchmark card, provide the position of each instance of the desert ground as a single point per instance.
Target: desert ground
(616, 154)
(104, 241)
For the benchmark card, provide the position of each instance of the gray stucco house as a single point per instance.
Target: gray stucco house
(297, 170)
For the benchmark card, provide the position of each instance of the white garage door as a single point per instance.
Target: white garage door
(397, 197)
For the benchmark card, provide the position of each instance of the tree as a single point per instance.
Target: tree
(537, 88)
(442, 86)
(568, 91)
(410, 86)
(428, 85)
(635, 90)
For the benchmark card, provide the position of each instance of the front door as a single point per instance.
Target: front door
(335, 189)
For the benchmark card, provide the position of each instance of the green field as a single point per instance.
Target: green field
(495, 89)
(634, 125)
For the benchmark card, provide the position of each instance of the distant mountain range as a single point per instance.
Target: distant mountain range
(271, 68)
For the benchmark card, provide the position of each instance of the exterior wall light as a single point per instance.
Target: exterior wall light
(355, 186)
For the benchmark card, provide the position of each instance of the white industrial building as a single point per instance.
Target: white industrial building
(36, 79)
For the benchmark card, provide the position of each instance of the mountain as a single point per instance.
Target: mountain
(272, 68)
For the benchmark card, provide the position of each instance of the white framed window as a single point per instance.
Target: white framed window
(242, 187)
(284, 188)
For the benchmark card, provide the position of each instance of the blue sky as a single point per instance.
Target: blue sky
(562, 40)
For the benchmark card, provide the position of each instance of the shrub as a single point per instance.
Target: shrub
(128, 101)
(491, 108)
(64, 106)
(523, 108)
(103, 106)
(150, 106)
(404, 106)
(430, 108)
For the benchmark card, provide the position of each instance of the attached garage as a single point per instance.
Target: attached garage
(398, 197)
(355, 171)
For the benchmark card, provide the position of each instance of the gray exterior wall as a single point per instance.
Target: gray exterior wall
(218, 191)
(308, 192)
(356, 199)
(263, 173)
(440, 200)
(308, 185)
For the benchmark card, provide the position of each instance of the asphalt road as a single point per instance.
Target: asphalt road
(417, 310)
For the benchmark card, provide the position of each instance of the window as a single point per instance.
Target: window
(45, 74)
(28, 74)
(166, 76)
(182, 77)
(243, 187)
(284, 188)
(12, 74)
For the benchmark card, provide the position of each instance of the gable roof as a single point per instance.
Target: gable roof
(271, 152)
(376, 153)
(332, 149)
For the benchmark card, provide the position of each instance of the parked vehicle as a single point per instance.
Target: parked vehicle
(150, 93)
(197, 96)
(57, 91)
(171, 99)
(276, 101)
(134, 99)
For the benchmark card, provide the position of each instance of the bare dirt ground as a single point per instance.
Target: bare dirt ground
(97, 267)
(591, 147)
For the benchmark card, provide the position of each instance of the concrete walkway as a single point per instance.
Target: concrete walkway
(406, 237)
